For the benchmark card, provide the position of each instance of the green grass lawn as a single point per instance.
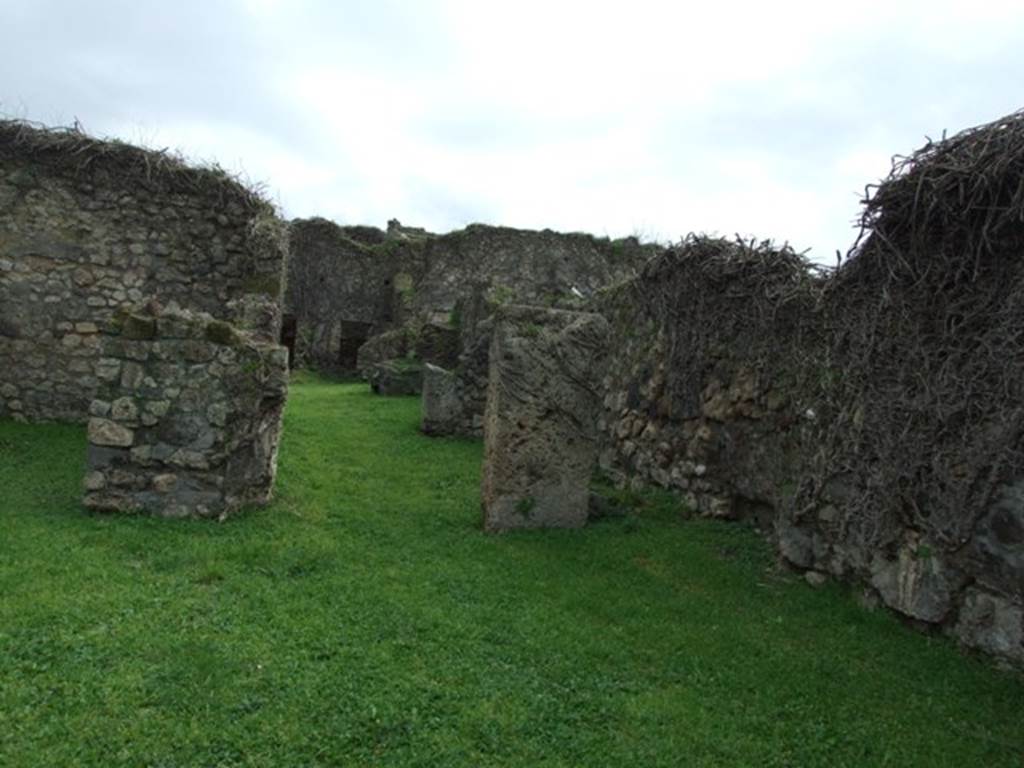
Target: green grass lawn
(364, 619)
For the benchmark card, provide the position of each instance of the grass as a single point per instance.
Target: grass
(364, 619)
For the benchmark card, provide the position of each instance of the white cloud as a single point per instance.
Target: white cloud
(761, 118)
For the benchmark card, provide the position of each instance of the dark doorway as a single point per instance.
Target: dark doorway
(289, 330)
(353, 336)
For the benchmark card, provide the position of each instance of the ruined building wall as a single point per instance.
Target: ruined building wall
(455, 399)
(408, 278)
(90, 227)
(868, 437)
(709, 391)
(338, 288)
(869, 420)
(915, 484)
(511, 265)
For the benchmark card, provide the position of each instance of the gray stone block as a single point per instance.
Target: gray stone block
(441, 406)
(396, 377)
(540, 423)
(992, 623)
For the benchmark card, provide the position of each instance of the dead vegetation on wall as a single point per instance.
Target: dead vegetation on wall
(873, 416)
(715, 349)
(75, 153)
(926, 371)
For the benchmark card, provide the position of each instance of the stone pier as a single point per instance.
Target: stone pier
(540, 422)
(188, 416)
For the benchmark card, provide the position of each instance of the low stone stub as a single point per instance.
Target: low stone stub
(188, 418)
(540, 433)
(441, 405)
(396, 377)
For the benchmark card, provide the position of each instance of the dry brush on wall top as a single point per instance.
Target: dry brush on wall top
(870, 420)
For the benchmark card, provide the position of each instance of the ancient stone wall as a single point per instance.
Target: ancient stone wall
(707, 392)
(339, 279)
(188, 414)
(914, 482)
(513, 266)
(408, 278)
(88, 228)
(749, 385)
(434, 343)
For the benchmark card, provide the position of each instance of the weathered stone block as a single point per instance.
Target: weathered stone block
(124, 409)
(540, 430)
(441, 406)
(396, 377)
(108, 433)
(993, 624)
(139, 327)
(918, 583)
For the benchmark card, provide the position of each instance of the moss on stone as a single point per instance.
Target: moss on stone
(500, 294)
(455, 317)
(138, 327)
(268, 285)
(531, 331)
(116, 322)
(405, 289)
(408, 364)
(223, 333)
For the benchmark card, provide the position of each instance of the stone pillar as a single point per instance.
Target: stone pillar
(540, 434)
(441, 406)
(188, 416)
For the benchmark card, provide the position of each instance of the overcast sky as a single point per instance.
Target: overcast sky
(654, 118)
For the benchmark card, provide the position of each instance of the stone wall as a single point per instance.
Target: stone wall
(188, 414)
(88, 228)
(508, 265)
(434, 343)
(337, 276)
(866, 420)
(408, 278)
(707, 391)
(736, 379)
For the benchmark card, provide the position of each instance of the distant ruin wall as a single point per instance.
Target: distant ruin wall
(454, 401)
(408, 278)
(541, 268)
(338, 278)
(90, 227)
